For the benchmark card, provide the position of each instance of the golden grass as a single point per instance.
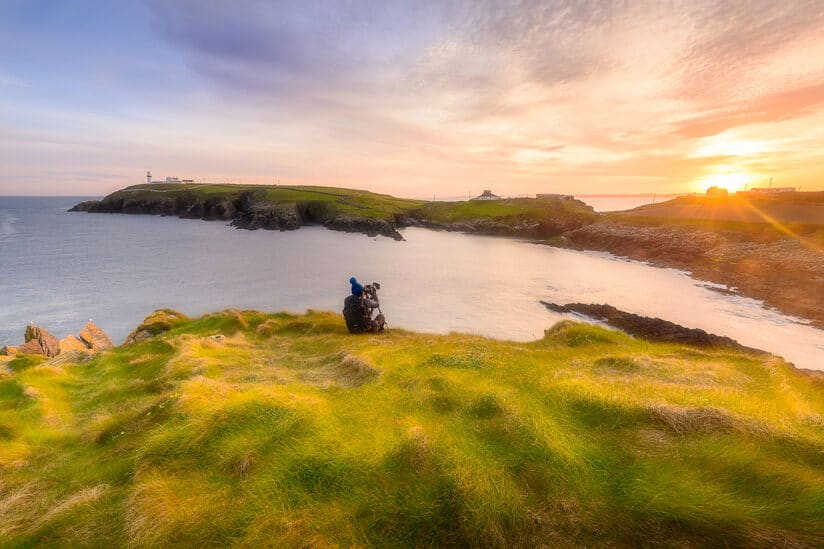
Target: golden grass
(241, 428)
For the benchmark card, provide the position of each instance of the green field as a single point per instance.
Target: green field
(502, 210)
(352, 202)
(288, 432)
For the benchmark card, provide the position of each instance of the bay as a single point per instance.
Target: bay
(60, 269)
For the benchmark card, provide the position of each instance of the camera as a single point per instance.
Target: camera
(371, 290)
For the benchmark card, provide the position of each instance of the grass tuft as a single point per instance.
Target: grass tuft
(251, 429)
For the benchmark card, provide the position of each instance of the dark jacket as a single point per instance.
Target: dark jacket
(355, 314)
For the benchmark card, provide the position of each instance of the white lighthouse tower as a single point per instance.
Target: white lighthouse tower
(148, 177)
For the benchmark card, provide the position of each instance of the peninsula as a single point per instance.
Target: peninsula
(766, 247)
(258, 429)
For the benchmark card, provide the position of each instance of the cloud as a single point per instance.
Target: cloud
(773, 107)
(579, 92)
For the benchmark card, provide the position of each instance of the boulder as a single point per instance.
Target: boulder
(48, 343)
(73, 344)
(95, 338)
(31, 348)
(157, 323)
(8, 350)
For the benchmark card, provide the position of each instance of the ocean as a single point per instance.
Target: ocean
(60, 269)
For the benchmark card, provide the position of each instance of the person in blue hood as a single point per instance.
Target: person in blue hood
(358, 307)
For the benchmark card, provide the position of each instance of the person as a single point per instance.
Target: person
(358, 307)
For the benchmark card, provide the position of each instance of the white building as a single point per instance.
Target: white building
(772, 190)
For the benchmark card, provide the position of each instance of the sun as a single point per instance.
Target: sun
(732, 181)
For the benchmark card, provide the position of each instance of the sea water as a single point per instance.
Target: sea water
(60, 269)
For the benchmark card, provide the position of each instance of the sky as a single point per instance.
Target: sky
(413, 99)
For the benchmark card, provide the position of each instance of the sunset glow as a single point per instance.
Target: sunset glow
(732, 181)
(413, 99)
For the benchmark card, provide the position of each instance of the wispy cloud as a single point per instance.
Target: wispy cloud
(412, 97)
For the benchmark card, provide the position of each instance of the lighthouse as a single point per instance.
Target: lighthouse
(148, 177)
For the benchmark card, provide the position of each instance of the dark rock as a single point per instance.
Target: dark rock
(31, 348)
(372, 227)
(651, 329)
(256, 214)
(86, 206)
(48, 343)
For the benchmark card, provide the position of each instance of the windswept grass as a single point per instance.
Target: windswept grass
(252, 429)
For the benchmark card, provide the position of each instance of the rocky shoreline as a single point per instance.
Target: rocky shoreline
(785, 273)
(650, 329)
(243, 211)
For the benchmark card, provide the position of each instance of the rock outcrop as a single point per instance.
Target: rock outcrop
(72, 343)
(371, 227)
(157, 323)
(256, 214)
(87, 206)
(95, 338)
(651, 329)
(40, 342)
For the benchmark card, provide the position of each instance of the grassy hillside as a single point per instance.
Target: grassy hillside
(364, 204)
(345, 201)
(283, 430)
(513, 209)
(802, 208)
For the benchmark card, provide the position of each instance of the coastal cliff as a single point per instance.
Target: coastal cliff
(258, 429)
(289, 208)
(245, 208)
(780, 262)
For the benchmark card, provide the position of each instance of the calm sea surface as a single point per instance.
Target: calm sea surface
(60, 269)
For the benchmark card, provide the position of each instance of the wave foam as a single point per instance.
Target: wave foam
(7, 222)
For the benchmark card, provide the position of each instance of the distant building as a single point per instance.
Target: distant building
(172, 180)
(717, 192)
(555, 195)
(187, 181)
(773, 190)
(148, 177)
(487, 195)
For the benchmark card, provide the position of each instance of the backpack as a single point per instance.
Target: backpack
(354, 315)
